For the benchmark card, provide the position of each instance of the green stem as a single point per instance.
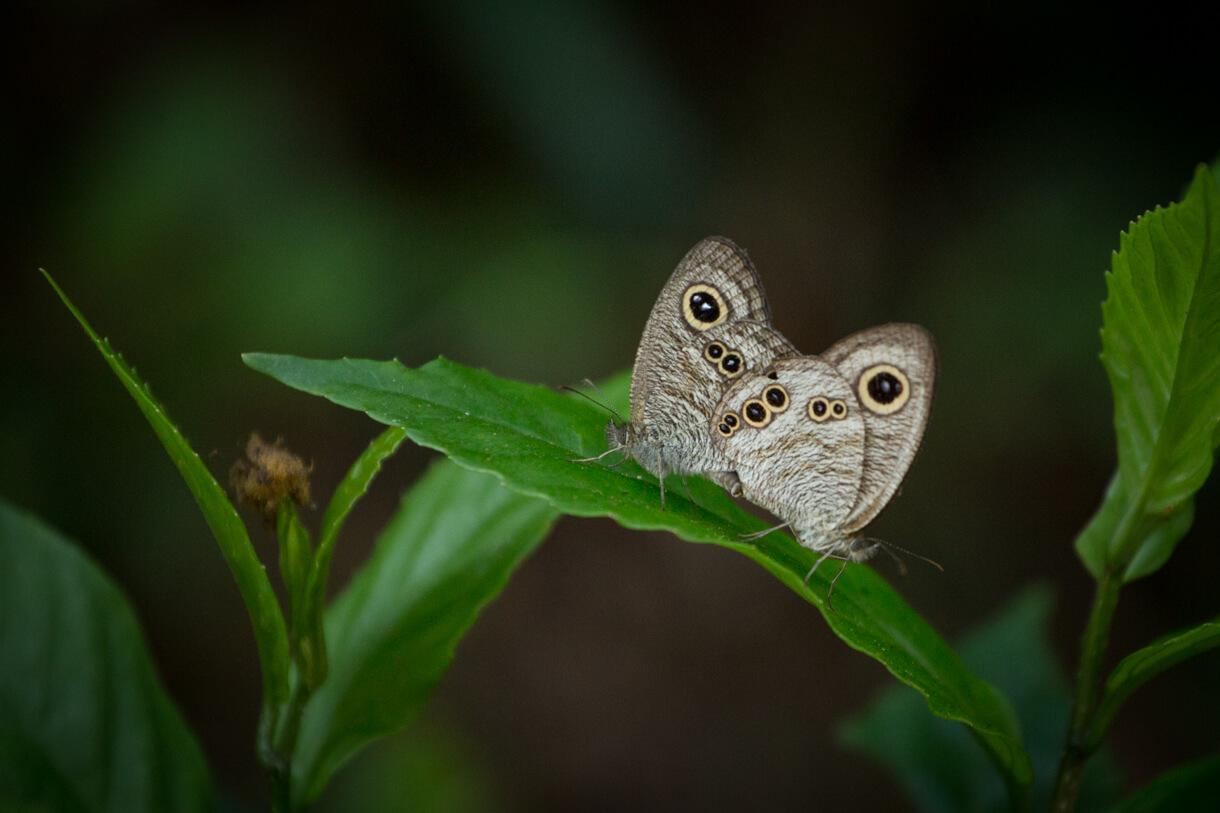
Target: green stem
(278, 773)
(277, 739)
(1088, 678)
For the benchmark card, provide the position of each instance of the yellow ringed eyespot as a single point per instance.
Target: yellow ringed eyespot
(703, 306)
(883, 389)
(755, 413)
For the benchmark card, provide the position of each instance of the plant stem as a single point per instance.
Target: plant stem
(277, 739)
(1088, 677)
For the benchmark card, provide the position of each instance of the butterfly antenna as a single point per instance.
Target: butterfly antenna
(893, 550)
(604, 403)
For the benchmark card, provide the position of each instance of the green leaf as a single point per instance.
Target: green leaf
(84, 721)
(1185, 789)
(270, 633)
(1159, 543)
(527, 435)
(1161, 350)
(295, 560)
(1161, 535)
(350, 490)
(1142, 665)
(446, 554)
(936, 762)
(1093, 543)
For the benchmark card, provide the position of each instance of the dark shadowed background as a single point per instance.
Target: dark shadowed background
(510, 187)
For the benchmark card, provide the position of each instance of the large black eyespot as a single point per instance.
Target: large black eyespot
(703, 306)
(732, 365)
(883, 389)
(756, 413)
(714, 351)
(776, 397)
(819, 408)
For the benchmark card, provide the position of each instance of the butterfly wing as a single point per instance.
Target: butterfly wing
(891, 370)
(710, 325)
(796, 440)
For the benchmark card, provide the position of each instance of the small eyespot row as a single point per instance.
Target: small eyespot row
(728, 424)
(822, 408)
(727, 361)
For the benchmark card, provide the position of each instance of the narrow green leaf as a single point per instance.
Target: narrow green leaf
(84, 721)
(935, 761)
(350, 490)
(447, 553)
(1142, 665)
(295, 560)
(1185, 789)
(527, 435)
(270, 633)
(1161, 350)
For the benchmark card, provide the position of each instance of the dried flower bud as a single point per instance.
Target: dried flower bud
(268, 474)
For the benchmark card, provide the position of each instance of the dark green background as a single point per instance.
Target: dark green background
(510, 187)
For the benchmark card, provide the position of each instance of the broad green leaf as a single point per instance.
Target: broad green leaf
(527, 435)
(1185, 789)
(1093, 543)
(1161, 350)
(350, 490)
(1161, 534)
(270, 632)
(936, 762)
(1142, 665)
(1159, 543)
(84, 721)
(446, 554)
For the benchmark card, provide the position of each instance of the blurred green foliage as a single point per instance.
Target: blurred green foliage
(510, 190)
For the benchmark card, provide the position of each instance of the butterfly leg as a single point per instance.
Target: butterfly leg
(823, 558)
(761, 534)
(661, 472)
(599, 457)
(686, 486)
(830, 592)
